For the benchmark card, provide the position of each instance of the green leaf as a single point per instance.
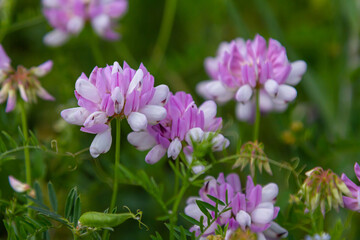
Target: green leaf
(214, 199)
(69, 204)
(52, 197)
(2, 145)
(21, 134)
(77, 211)
(10, 139)
(206, 205)
(190, 219)
(38, 192)
(33, 140)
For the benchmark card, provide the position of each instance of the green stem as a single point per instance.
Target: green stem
(99, 60)
(173, 218)
(116, 166)
(176, 184)
(257, 116)
(26, 141)
(165, 31)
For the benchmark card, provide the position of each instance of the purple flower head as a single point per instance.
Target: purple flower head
(68, 17)
(241, 67)
(22, 79)
(252, 210)
(352, 202)
(115, 92)
(184, 125)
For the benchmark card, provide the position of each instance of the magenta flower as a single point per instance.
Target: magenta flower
(22, 79)
(115, 92)
(353, 201)
(68, 17)
(242, 67)
(184, 125)
(252, 210)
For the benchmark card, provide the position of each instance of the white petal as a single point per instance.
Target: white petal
(263, 213)
(136, 81)
(137, 121)
(209, 109)
(87, 90)
(194, 135)
(161, 95)
(244, 93)
(220, 142)
(275, 231)
(116, 68)
(243, 218)
(118, 99)
(23, 92)
(154, 113)
(50, 3)
(155, 154)
(101, 143)
(17, 185)
(141, 140)
(94, 118)
(286, 93)
(174, 148)
(244, 112)
(101, 23)
(266, 102)
(214, 90)
(271, 87)
(75, 24)
(56, 38)
(269, 192)
(75, 116)
(298, 68)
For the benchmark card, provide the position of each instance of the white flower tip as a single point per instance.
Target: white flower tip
(194, 135)
(161, 95)
(286, 93)
(174, 148)
(101, 23)
(271, 87)
(136, 81)
(243, 218)
(101, 143)
(75, 24)
(298, 69)
(209, 109)
(116, 68)
(269, 192)
(244, 93)
(137, 121)
(154, 113)
(155, 154)
(17, 185)
(56, 38)
(141, 140)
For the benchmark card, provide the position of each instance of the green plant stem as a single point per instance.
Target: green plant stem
(257, 115)
(165, 31)
(173, 218)
(116, 166)
(26, 142)
(176, 184)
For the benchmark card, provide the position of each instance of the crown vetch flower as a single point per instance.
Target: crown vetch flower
(184, 125)
(253, 210)
(352, 202)
(22, 79)
(68, 17)
(241, 67)
(321, 187)
(115, 92)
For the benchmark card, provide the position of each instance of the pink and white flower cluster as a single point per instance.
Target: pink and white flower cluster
(252, 210)
(352, 202)
(243, 67)
(184, 125)
(22, 79)
(116, 92)
(68, 17)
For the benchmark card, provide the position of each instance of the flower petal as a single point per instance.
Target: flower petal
(141, 140)
(75, 116)
(101, 143)
(155, 154)
(137, 121)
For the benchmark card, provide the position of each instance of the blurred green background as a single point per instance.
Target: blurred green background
(324, 33)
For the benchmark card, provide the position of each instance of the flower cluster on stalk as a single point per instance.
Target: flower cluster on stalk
(243, 67)
(352, 201)
(68, 17)
(253, 210)
(116, 92)
(184, 126)
(22, 79)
